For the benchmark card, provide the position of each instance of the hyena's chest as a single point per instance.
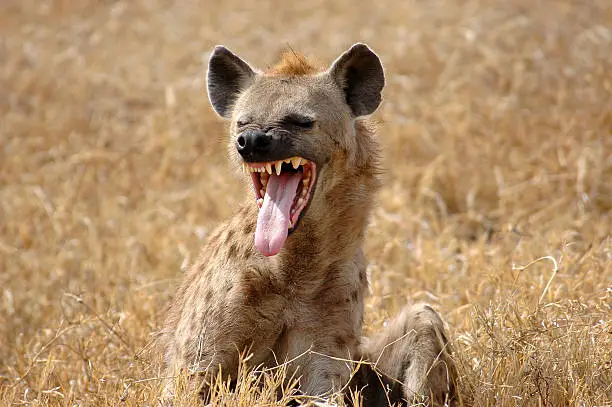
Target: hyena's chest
(328, 318)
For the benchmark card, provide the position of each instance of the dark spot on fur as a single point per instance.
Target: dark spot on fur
(257, 285)
(208, 295)
(251, 294)
(229, 236)
(340, 341)
(355, 295)
(193, 315)
(246, 254)
(405, 365)
(249, 228)
(362, 275)
(233, 250)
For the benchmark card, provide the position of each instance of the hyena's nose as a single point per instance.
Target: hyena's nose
(253, 143)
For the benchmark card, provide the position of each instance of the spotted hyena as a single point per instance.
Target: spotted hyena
(286, 276)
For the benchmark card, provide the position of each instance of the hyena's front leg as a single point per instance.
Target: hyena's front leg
(320, 356)
(209, 338)
(412, 355)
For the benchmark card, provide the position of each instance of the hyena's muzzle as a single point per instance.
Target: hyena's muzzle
(283, 180)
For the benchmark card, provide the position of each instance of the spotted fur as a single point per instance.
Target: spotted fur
(306, 303)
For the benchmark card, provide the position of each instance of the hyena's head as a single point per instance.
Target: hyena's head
(291, 125)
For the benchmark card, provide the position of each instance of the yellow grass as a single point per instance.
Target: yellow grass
(497, 130)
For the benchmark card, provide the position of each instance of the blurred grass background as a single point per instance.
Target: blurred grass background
(497, 132)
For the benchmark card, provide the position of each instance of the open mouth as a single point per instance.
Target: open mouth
(282, 190)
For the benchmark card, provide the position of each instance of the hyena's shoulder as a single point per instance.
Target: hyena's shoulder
(227, 248)
(231, 240)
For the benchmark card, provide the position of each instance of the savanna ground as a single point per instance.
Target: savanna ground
(497, 132)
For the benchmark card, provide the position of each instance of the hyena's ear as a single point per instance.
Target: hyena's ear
(360, 75)
(227, 76)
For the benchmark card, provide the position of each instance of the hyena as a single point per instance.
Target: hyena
(285, 278)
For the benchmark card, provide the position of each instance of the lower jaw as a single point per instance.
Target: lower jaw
(297, 222)
(272, 191)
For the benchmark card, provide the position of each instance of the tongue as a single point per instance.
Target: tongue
(273, 218)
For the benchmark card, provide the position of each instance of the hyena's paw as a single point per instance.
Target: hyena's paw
(413, 350)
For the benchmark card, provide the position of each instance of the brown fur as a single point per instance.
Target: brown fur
(293, 64)
(309, 297)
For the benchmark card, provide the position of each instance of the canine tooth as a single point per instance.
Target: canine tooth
(269, 168)
(279, 165)
(296, 161)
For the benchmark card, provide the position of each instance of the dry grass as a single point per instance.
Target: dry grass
(497, 128)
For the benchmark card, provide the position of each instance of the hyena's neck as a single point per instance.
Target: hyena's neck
(333, 230)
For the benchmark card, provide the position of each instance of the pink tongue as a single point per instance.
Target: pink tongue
(273, 218)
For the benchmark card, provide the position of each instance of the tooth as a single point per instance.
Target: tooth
(287, 160)
(279, 165)
(295, 161)
(269, 168)
(260, 202)
(264, 181)
(262, 192)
